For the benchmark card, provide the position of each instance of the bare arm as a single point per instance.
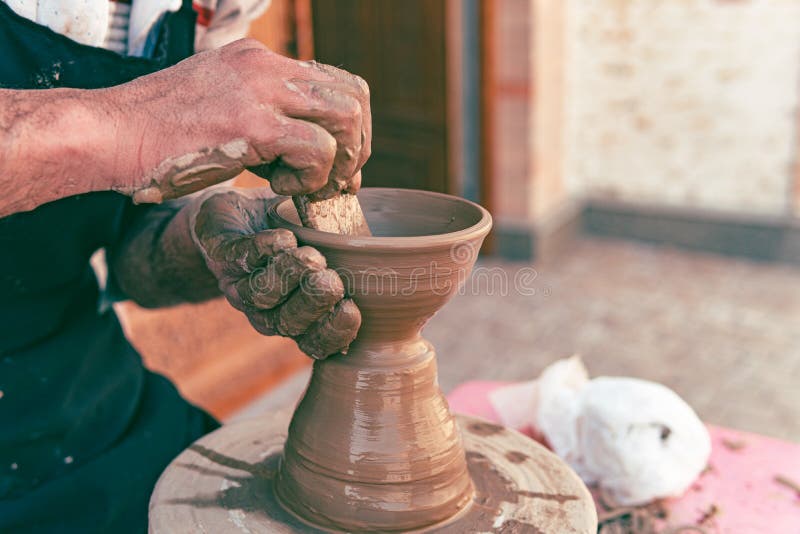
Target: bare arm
(54, 143)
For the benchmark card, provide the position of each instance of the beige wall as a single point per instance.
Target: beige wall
(683, 102)
(511, 133)
(548, 58)
(527, 119)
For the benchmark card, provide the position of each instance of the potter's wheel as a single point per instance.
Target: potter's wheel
(373, 444)
(224, 483)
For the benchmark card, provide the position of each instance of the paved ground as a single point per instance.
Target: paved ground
(723, 333)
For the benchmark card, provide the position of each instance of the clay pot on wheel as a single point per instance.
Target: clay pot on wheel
(372, 444)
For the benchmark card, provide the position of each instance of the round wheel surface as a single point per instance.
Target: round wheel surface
(224, 483)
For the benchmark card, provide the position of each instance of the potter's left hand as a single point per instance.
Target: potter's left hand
(282, 288)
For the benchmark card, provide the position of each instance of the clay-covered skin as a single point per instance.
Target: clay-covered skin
(282, 288)
(178, 175)
(372, 445)
(190, 250)
(333, 333)
(303, 125)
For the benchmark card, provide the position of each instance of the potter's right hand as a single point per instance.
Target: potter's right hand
(282, 288)
(304, 126)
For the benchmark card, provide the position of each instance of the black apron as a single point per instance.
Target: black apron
(85, 430)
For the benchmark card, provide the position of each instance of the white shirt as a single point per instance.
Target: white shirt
(125, 27)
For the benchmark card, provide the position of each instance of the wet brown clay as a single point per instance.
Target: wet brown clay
(341, 214)
(372, 444)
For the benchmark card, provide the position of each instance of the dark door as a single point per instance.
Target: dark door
(399, 48)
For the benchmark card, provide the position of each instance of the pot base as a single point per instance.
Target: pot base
(224, 482)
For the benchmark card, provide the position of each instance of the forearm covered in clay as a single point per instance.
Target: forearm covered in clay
(157, 263)
(54, 143)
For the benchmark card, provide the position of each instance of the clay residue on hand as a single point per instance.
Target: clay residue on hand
(319, 292)
(180, 175)
(333, 333)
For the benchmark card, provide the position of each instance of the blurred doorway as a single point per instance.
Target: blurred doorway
(400, 50)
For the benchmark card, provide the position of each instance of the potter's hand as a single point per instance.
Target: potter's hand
(282, 288)
(304, 126)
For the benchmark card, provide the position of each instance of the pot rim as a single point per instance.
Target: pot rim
(314, 237)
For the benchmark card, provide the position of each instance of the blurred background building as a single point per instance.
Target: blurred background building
(653, 121)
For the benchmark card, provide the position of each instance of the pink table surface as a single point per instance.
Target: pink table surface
(740, 480)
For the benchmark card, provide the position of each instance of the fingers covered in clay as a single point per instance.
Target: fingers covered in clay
(316, 296)
(305, 126)
(359, 89)
(269, 286)
(355, 184)
(332, 106)
(338, 102)
(241, 255)
(231, 231)
(315, 315)
(332, 333)
(300, 161)
(282, 288)
(223, 214)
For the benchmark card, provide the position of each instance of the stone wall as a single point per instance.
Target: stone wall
(683, 102)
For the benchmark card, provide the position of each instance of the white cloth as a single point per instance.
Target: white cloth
(118, 24)
(230, 21)
(84, 21)
(637, 439)
(93, 22)
(145, 16)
